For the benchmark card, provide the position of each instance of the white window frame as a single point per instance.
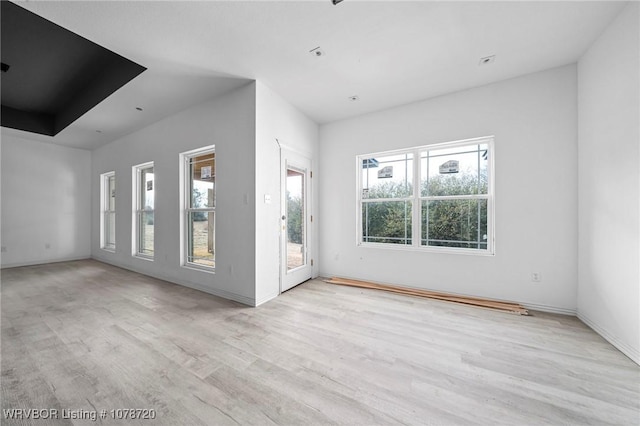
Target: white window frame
(186, 209)
(140, 210)
(105, 211)
(416, 199)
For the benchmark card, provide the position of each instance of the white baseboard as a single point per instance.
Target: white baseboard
(43, 262)
(266, 299)
(532, 306)
(185, 283)
(550, 309)
(632, 353)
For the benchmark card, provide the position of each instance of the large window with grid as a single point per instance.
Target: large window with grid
(199, 212)
(108, 211)
(144, 202)
(437, 197)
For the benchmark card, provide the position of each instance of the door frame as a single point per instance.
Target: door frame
(299, 161)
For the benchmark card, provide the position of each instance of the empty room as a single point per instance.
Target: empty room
(320, 212)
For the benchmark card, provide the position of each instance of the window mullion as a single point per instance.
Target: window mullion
(426, 222)
(386, 200)
(416, 226)
(457, 197)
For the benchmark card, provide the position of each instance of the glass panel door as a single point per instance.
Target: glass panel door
(296, 236)
(295, 226)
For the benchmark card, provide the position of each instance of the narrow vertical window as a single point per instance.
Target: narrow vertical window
(199, 208)
(108, 211)
(144, 221)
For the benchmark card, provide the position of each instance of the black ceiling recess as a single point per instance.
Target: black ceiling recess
(52, 76)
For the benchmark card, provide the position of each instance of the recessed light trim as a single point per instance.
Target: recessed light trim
(354, 98)
(487, 60)
(317, 52)
(139, 109)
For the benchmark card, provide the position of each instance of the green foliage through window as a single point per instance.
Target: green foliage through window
(295, 219)
(453, 198)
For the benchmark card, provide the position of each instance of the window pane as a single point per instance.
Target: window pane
(389, 176)
(111, 193)
(295, 219)
(147, 188)
(386, 222)
(455, 223)
(201, 230)
(454, 171)
(202, 174)
(110, 229)
(145, 225)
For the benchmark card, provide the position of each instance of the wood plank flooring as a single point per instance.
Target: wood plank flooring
(88, 336)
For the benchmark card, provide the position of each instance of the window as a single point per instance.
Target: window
(108, 210)
(387, 199)
(143, 222)
(199, 208)
(437, 197)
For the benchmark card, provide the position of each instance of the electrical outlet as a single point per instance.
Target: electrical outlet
(536, 277)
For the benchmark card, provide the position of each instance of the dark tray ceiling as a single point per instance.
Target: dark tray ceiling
(54, 76)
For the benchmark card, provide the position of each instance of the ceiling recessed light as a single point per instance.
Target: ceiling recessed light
(353, 98)
(487, 60)
(98, 131)
(139, 109)
(317, 52)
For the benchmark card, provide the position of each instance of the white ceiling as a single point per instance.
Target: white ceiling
(386, 52)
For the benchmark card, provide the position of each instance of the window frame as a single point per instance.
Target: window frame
(140, 210)
(408, 198)
(186, 210)
(416, 199)
(105, 194)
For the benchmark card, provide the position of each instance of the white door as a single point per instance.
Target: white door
(296, 220)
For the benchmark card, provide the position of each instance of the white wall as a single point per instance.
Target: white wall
(228, 121)
(609, 187)
(534, 120)
(45, 201)
(277, 119)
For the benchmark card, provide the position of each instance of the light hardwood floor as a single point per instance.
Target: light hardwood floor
(88, 336)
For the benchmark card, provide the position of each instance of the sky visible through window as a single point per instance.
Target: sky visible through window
(398, 168)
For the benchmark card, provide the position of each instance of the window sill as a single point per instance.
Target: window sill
(108, 249)
(198, 268)
(427, 249)
(143, 257)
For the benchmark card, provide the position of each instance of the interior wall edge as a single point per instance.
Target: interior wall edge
(632, 353)
(265, 299)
